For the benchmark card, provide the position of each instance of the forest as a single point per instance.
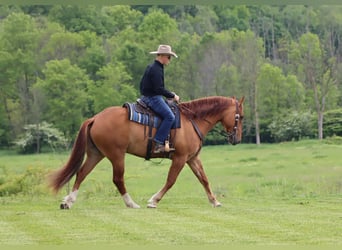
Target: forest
(61, 64)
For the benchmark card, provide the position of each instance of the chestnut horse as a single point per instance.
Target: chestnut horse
(111, 134)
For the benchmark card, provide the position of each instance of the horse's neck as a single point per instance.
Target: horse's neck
(206, 124)
(212, 117)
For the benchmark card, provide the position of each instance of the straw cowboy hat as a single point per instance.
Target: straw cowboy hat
(164, 50)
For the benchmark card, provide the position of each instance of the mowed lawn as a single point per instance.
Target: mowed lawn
(281, 194)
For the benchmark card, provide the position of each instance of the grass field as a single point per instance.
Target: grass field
(283, 194)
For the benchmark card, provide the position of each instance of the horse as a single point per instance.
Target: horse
(111, 134)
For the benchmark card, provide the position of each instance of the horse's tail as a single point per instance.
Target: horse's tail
(60, 177)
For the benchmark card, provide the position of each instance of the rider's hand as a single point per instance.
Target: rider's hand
(176, 98)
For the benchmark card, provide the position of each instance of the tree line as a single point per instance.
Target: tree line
(63, 63)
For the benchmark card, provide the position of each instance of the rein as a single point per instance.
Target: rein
(197, 130)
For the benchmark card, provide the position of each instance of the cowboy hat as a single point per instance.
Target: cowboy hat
(164, 50)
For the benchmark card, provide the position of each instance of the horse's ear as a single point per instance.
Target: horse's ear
(242, 100)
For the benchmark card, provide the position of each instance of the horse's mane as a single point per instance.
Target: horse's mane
(204, 107)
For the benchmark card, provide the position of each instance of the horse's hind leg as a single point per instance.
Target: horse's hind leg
(93, 157)
(197, 168)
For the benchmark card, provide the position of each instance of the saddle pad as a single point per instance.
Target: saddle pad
(145, 116)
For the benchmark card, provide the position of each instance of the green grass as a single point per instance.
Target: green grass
(280, 194)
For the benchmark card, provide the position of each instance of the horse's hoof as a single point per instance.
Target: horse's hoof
(64, 206)
(135, 206)
(151, 205)
(218, 204)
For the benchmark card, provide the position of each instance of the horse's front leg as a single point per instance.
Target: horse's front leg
(197, 168)
(176, 166)
(118, 179)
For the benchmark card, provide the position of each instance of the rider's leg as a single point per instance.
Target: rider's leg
(158, 105)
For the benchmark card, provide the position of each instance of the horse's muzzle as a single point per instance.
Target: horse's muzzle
(233, 140)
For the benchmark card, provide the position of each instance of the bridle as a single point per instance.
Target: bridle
(231, 135)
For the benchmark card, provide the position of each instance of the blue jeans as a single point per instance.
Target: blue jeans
(160, 107)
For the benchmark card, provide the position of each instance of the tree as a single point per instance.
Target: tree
(274, 105)
(182, 74)
(7, 96)
(315, 69)
(236, 17)
(64, 86)
(133, 56)
(120, 17)
(62, 45)
(248, 57)
(333, 122)
(157, 28)
(40, 135)
(18, 64)
(213, 52)
(330, 33)
(299, 19)
(94, 56)
(112, 88)
(76, 18)
(204, 21)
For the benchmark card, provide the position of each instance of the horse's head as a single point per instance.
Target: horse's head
(232, 121)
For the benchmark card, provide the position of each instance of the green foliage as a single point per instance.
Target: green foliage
(93, 60)
(76, 18)
(333, 123)
(280, 58)
(132, 58)
(120, 17)
(64, 45)
(216, 136)
(292, 126)
(112, 88)
(19, 33)
(233, 17)
(272, 81)
(182, 75)
(31, 182)
(204, 21)
(18, 41)
(38, 136)
(156, 27)
(64, 86)
(335, 140)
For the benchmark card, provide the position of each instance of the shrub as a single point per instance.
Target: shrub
(29, 182)
(37, 136)
(332, 124)
(335, 140)
(293, 126)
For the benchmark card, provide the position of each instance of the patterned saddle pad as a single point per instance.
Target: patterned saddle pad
(139, 112)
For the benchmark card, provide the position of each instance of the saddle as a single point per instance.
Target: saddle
(140, 113)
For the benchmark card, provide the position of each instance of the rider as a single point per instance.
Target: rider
(153, 90)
